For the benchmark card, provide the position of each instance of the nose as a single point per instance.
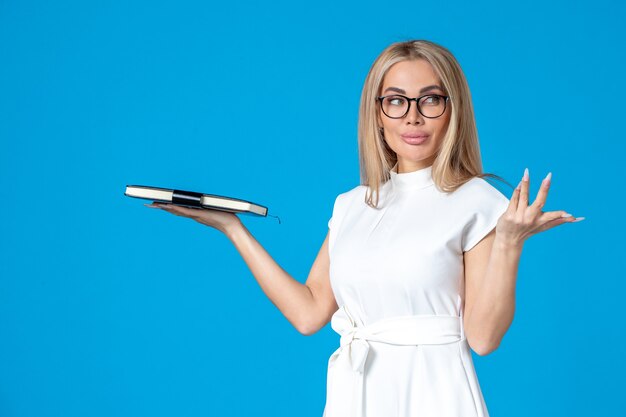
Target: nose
(414, 115)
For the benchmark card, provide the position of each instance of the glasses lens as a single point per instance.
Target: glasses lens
(395, 106)
(432, 106)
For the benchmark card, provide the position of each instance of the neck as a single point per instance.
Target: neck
(404, 166)
(419, 178)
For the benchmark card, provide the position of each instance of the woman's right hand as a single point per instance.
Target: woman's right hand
(218, 219)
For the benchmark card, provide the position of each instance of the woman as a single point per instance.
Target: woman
(424, 252)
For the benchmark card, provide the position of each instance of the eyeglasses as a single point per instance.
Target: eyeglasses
(397, 106)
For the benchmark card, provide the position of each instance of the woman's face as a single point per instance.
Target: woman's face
(413, 78)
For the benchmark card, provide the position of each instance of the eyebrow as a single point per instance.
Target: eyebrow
(423, 90)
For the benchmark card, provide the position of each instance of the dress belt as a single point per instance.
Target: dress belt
(346, 366)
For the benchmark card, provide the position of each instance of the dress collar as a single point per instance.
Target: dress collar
(411, 180)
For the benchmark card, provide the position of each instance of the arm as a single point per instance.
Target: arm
(491, 266)
(308, 307)
(490, 277)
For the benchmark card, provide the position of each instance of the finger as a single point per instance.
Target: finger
(156, 204)
(542, 195)
(514, 199)
(554, 215)
(552, 219)
(523, 196)
(169, 207)
(560, 215)
(181, 211)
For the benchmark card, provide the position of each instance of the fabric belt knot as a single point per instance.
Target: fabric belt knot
(356, 344)
(346, 366)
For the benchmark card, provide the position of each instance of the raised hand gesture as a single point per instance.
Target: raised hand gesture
(520, 220)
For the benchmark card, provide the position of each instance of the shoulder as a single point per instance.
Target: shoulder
(478, 190)
(341, 206)
(352, 193)
(348, 198)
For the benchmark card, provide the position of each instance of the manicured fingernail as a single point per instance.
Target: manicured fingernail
(519, 186)
(578, 219)
(566, 215)
(548, 177)
(525, 177)
(150, 205)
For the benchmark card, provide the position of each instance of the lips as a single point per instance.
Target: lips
(415, 135)
(415, 138)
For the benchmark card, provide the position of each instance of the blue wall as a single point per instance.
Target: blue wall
(109, 308)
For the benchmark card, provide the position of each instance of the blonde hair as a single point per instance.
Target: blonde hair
(458, 158)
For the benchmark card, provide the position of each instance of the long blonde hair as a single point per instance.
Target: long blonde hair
(458, 159)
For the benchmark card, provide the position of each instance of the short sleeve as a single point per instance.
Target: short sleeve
(334, 221)
(487, 205)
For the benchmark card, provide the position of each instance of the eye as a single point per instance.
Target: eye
(432, 100)
(395, 101)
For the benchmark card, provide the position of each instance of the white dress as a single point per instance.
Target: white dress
(398, 279)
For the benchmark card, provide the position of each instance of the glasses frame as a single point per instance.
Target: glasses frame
(417, 103)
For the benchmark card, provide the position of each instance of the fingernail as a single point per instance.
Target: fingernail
(566, 215)
(519, 186)
(548, 177)
(578, 219)
(525, 177)
(150, 205)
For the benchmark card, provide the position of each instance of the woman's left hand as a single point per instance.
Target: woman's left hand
(520, 221)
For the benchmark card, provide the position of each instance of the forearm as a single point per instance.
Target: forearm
(494, 308)
(291, 297)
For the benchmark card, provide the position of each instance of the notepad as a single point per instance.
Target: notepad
(195, 199)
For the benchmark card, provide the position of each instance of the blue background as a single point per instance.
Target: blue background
(109, 308)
